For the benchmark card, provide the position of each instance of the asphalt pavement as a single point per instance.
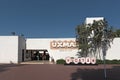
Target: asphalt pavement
(57, 72)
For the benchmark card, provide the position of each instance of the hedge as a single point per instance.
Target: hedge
(62, 61)
(109, 61)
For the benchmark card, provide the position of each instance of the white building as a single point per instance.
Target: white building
(12, 49)
(15, 49)
(114, 51)
(90, 20)
(58, 48)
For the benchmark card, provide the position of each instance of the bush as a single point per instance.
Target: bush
(115, 61)
(60, 61)
(99, 62)
(108, 61)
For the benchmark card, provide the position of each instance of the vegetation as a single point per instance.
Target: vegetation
(109, 61)
(117, 32)
(60, 61)
(115, 61)
(92, 38)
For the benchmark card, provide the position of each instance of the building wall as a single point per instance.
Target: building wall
(56, 53)
(8, 49)
(12, 47)
(89, 20)
(21, 49)
(39, 43)
(114, 51)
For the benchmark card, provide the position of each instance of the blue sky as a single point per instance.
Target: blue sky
(53, 18)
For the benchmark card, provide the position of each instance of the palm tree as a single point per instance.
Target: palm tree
(82, 34)
(91, 38)
(103, 36)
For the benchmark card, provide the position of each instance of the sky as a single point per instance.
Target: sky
(53, 18)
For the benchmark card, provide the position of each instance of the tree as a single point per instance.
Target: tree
(93, 38)
(82, 34)
(13, 33)
(117, 32)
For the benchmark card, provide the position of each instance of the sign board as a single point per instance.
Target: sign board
(63, 44)
(81, 60)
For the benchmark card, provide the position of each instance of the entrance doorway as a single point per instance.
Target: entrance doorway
(22, 55)
(41, 54)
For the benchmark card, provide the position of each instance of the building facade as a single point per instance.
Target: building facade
(12, 49)
(16, 49)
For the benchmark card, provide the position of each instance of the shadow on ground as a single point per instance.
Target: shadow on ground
(5, 67)
(96, 74)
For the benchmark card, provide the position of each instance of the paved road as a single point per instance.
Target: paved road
(57, 72)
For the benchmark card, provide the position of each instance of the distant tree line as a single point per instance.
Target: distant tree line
(117, 33)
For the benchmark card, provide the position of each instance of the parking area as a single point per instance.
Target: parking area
(57, 72)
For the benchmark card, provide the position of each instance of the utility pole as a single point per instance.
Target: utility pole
(104, 49)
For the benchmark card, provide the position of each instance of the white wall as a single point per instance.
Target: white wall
(89, 20)
(40, 43)
(114, 51)
(8, 49)
(21, 49)
(11, 48)
(44, 43)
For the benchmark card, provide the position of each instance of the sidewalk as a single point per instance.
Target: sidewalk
(36, 62)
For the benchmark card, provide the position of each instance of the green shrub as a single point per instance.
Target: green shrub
(99, 62)
(109, 61)
(115, 61)
(60, 61)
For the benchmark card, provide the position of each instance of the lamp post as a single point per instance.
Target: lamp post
(104, 49)
(104, 58)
